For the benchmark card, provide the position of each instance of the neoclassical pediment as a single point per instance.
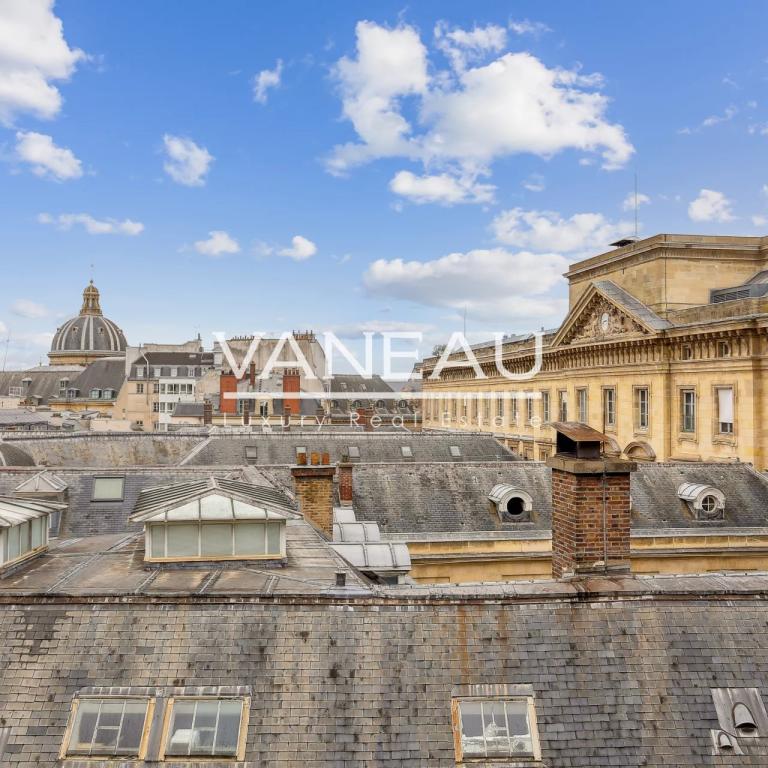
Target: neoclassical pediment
(598, 317)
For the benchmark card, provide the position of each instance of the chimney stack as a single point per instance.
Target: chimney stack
(207, 412)
(246, 413)
(291, 386)
(345, 482)
(227, 383)
(590, 505)
(365, 415)
(313, 484)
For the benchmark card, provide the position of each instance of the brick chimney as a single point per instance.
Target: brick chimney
(590, 505)
(313, 484)
(207, 412)
(345, 482)
(291, 385)
(227, 383)
(365, 415)
(246, 413)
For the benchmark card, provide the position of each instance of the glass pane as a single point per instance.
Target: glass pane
(37, 532)
(24, 538)
(472, 742)
(495, 729)
(84, 727)
(216, 539)
(204, 727)
(228, 732)
(182, 539)
(13, 542)
(180, 735)
(273, 538)
(216, 507)
(157, 540)
(519, 728)
(249, 539)
(107, 488)
(129, 740)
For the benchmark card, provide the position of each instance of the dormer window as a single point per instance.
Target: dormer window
(706, 502)
(95, 394)
(512, 505)
(406, 451)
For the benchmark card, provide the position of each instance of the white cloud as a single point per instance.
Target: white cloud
(549, 231)
(186, 163)
(34, 56)
(462, 46)
(47, 160)
(515, 104)
(727, 116)
(710, 205)
(630, 200)
(266, 79)
(526, 27)
(535, 183)
(29, 309)
(491, 284)
(92, 226)
(440, 188)
(760, 221)
(300, 249)
(218, 243)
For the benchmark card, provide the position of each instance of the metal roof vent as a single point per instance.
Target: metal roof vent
(620, 243)
(724, 742)
(743, 720)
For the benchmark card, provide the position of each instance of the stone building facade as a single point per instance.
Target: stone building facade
(664, 350)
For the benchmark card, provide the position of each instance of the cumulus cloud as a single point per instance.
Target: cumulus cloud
(759, 220)
(440, 188)
(462, 46)
(92, 226)
(35, 55)
(300, 249)
(628, 204)
(491, 284)
(470, 118)
(527, 27)
(710, 205)
(47, 160)
(549, 231)
(266, 79)
(28, 309)
(186, 162)
(219, 243)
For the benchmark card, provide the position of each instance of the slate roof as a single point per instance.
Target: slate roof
(280, 448)
(11, 456)
(44, 380)
(21, 417)
(189, 410)
(621, 674)
(633, 306)
(108, 373)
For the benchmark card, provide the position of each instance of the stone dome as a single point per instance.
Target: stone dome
(88, 336)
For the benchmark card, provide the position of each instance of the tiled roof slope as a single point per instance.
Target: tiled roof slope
(12, 456)
(115, 450)
(433, 497)
(374, 447)
(368, 682)
(45, 380)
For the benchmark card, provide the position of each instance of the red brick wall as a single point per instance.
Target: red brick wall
(291, 384)
(227, 383)
(345, 484)
(578, 543)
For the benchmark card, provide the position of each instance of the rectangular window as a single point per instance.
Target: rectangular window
(212, 541)
(545, 407)
(725, 410)
(723, 348)
(642, 403)
(108, 488)
(455, 451)
(354, 452)
(515, 410)
(687, 410)
(497, 729)
(107, 727)
(609, 407)
(407, 451)
(500, 406)
(686, 352)
(562, 403)
(582, 404)
(202, 727)
(156, 388)
(251, 453)
(140, 388)
(529, 409)
(486, 409)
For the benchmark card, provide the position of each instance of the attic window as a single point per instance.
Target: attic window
(251, 453)
(706, 502)
(107, 727)
(354, 452)
(201, 727)
(495, 728)
(108, 488)
(407, 451)
(512, 505)
(455, 451)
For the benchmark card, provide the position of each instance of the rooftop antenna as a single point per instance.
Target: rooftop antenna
(5, 352)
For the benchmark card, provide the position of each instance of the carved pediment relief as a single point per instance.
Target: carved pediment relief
(601, 319)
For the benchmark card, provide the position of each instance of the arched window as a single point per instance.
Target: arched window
(512, 505)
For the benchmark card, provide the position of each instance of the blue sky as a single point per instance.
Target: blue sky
(392, 166)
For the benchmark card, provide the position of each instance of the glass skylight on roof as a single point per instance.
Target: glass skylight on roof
(201, 727)
(107, 727)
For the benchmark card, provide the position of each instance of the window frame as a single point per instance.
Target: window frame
(64, 752)
(681, 420)
(718, 435)
(638, 425)
(546, 407)
(245, 703)
(529, 700)
(110, 499)
(610, 424)
(562, 404)
(583, 414)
